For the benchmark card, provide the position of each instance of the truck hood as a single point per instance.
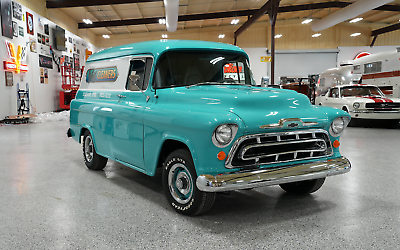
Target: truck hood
(254, 105)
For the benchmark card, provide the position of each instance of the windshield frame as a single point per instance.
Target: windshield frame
(241, 55)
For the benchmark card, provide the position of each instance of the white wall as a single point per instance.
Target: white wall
(43, 97)
(259, 68)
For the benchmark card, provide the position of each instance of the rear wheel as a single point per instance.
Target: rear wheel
(93, 161)
(179, 182)
(303, 187)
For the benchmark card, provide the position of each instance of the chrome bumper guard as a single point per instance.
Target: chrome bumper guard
(269, 177)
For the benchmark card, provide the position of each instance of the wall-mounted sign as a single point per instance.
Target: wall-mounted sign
(265, 59)
(102, 75)
(16, 58)
(45, 61)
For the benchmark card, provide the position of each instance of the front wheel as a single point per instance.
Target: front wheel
(303, 187)
(93, 161)
(179, 182)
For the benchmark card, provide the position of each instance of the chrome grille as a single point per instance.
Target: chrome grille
(382, 105)
(260, 149)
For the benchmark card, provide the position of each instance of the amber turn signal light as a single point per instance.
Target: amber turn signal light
(221, 156)
(336, 143)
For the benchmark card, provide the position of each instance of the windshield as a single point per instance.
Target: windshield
(360, 91)
(186, 68)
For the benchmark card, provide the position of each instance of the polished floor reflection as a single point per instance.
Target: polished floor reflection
(49, 200)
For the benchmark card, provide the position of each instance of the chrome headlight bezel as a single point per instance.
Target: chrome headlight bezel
(224, 134)
(338, 125)
(356, 105)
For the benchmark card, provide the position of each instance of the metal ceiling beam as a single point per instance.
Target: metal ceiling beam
(153, 20)
(386, 29)
(80, 3)
(257, 15)
(51, 4)
(216, 15)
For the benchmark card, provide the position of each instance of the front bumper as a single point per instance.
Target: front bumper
(268, 177)
(373, 114)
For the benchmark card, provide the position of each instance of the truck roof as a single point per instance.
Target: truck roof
(157, 47)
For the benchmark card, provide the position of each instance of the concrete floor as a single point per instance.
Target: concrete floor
(49, 200)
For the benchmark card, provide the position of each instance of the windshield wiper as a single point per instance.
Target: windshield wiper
(201, 83)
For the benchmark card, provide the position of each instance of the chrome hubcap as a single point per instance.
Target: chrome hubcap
(180, 183)
(88, 148)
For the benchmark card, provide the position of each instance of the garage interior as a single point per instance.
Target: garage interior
(50, 200)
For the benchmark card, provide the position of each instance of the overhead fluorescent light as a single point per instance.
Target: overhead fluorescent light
(355, 34)
(235, 21)
(106, 36)
(221, 36)
(278, 36)
(162, 21)
(87, 21)
(316, 35)
(307, 21)
(356, 20)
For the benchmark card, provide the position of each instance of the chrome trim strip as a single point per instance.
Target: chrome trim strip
(282, 122)
(375, 111)
(273, 176)
(240, 140)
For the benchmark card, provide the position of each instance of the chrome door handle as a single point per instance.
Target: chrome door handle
(121, 96)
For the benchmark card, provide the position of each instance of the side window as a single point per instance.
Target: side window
(136, 75)
(334, 93)
(373, 67)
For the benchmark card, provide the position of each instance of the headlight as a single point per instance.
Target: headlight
(224, 134)
(338, 125)
(356, 105)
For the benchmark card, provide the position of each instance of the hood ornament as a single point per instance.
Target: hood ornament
(289, 123)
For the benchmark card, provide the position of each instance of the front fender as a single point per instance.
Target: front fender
(194, 128)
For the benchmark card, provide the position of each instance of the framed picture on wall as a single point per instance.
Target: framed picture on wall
(39, 38)
(21, 31)
(46, 29)
(17, 10)
(29, 23)
(15, 29)
(6, 18)
(9, 78)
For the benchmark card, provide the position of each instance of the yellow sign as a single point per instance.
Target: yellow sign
(265, 59)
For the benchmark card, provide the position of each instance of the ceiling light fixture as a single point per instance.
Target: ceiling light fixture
(356, 20)
(162, 21)
(106, 36)
(164, 36)
(235, 21)
(355, 34)
(278, 36)
(316, 35)
(221, 36)
(309, 20)
(87, 21)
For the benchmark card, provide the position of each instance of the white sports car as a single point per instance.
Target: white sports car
(361, 101)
